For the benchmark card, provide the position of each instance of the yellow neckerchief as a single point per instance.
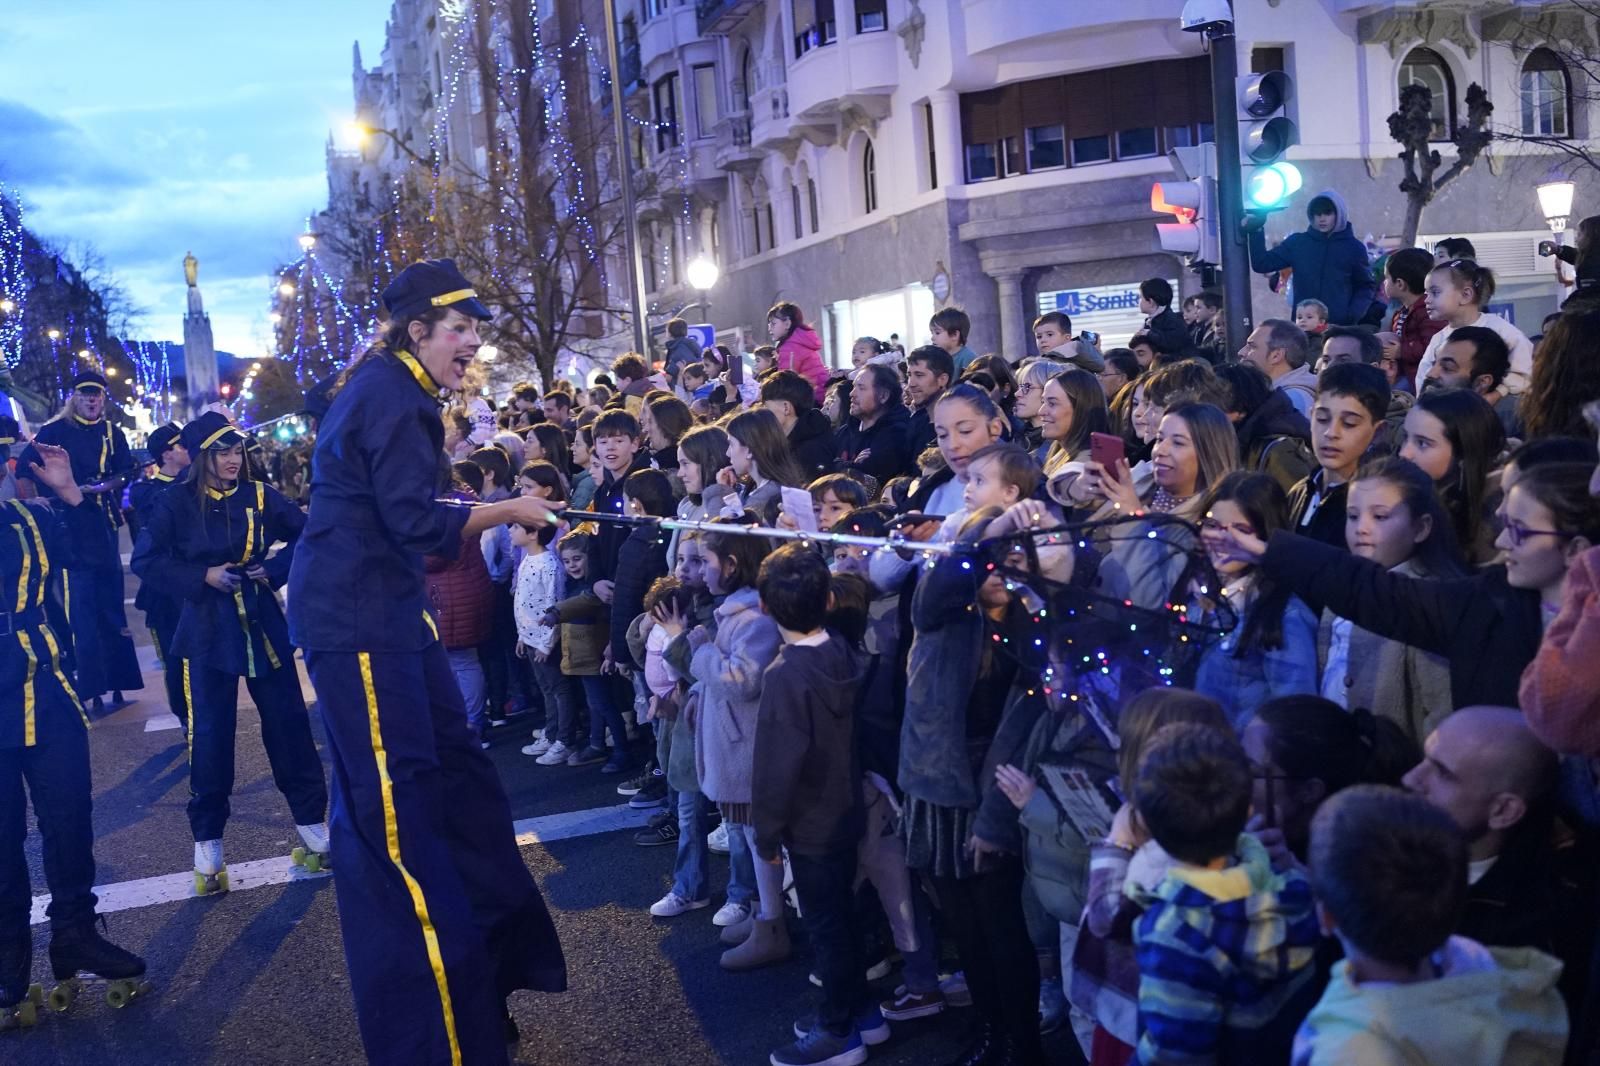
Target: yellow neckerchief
(420, 372)
(218, 494)
(105, 442)
(159, 476)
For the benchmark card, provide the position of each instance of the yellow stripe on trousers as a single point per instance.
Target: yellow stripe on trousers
(188, 707)
(28, 737)
(391, 826)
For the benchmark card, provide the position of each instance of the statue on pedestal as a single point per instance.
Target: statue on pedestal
(191, 269)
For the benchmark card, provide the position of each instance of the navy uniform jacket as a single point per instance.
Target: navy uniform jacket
(37, 700)
(376, 479)
(142, 500)
(243, 633)
(98, 450)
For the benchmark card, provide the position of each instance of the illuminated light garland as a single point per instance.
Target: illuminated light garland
(13, 279)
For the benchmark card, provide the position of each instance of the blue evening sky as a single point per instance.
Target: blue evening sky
(150, 128)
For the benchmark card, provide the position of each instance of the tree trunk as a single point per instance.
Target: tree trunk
(1415, 200)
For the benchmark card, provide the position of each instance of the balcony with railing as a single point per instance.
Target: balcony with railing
(832, 71)
(735, 150)
(719, 17)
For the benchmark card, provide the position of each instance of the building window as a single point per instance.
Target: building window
(869, 177)
(811, 195)
(1095, 149)
(1424, 66)
(772, 228)
(794, 207)
(872, 15)
(747, 80)
(1010, 158)
(654, 9)
(982, 162)
(665, 94)
(1546, 95)
(755, 221)
(1095, 116)
(814, 25)
(933, 154)
(707, 108)
(1047, 147)
(1136, 144)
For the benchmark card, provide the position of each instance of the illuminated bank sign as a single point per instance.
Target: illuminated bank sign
(1109, 310)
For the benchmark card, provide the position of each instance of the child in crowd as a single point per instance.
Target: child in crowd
(640, 561)
(1393, 517)
(948, 329)
(616, 447)
(833, 496)
(1052, 332)
(1225, 943)
(998, 475)
(1390, 872)
(585, 622)
(539, 588)
(1311, 316)
(1105, 975)
(1405, 283)
(695, 382)
(1454, 436)
(1458, 290)
(1351, 401)
(1270, 647)
(728, 670)
(582, 481)
(760, 464)
(806, 797)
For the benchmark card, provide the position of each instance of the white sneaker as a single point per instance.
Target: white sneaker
(730, 913)
(539, 746)
(208, 857)
(556, 756)
(671, 905)
(315, 837)
(717, 839)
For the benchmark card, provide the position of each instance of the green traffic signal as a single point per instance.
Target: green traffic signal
(1268, 188)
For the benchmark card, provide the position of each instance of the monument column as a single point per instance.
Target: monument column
(199, 352)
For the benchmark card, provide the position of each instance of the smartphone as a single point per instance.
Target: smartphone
(1091, 336)
(1547, 248)
(1107, 449)
(736, 370)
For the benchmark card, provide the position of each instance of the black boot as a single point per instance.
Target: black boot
(16, 963)
(980, 1048)
(81, 949)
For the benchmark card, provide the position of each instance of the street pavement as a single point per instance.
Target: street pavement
(258, 975)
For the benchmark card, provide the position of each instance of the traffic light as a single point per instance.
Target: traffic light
(1265, 134)
(1193, 204)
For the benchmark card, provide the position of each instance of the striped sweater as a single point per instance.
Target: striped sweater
(1225, 962)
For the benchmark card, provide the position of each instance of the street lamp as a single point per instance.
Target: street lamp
(53, 334)
(1555, 204)
(7, 306)
(702, 273)
(286, 289)
(307, 241)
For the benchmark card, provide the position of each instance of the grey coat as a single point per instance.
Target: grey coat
(727, 675)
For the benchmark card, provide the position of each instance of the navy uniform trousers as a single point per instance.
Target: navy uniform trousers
(56, 771)
(212, 700)
(441, 918)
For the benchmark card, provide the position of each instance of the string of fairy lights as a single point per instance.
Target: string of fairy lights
(329, 320)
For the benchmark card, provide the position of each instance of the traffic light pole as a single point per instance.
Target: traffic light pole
(1240, 319)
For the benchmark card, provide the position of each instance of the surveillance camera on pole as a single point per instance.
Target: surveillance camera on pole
(1207, 16)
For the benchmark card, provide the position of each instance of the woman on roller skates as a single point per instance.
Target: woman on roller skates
(44, 743)
(441, 919)
(206, 542)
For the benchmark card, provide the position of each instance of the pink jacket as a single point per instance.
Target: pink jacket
(1560, 693)
(801, 351)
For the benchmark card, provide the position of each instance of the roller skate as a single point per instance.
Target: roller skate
(19, 1001)
(79, 955)
(210, 872)
(313, 855)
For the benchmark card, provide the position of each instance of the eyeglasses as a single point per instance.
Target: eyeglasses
(1517, 533)
(1023, 390)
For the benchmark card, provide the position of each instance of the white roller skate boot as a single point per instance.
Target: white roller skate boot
(210, 872)
(313, 855)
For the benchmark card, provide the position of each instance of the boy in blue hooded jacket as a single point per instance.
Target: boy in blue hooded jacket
(1328, 262)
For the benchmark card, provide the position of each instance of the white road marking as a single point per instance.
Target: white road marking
(261, 873)
(162, 721)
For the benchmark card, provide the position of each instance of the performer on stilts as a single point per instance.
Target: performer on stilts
(161, 608)
(441, 918)
(44, 745)
(207, 541)
(93, 588)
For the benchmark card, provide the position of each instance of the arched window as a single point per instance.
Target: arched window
(869, 177)
(747, 79)
(1546, 95)
(1424, 66)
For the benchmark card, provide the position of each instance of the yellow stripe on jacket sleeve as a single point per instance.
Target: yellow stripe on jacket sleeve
(27, 566)
(61, 677)
(391, 826)
(29, 738)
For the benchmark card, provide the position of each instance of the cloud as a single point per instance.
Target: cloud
(39, 150)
